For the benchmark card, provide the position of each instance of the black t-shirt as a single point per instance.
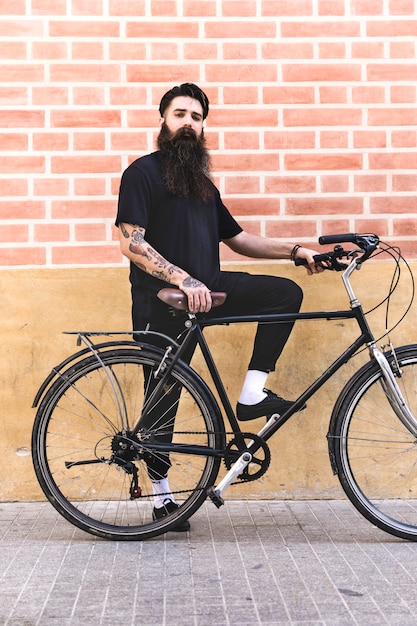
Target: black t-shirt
(184, 231)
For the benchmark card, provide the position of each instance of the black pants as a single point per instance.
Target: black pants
(247, 294)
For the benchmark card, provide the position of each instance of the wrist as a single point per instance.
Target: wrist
(294, 251)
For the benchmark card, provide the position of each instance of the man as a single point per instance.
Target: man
(171, 220)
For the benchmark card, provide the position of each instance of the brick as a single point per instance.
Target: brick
(241, 72)
(367, 49)
(404, 182)
(401, 50)
(322, 117)
(237, 51)
(21, 28)
(89, 187)
(127, 8)
(89, 141)
(166, 50)
(89, 96)
(247, 8)
(291, 229)
(393, 204)
(368, 95)
(200, 50)
(82, 209)
(369, 139)
(84, 28)
(334, 184)
(335, 50)
(321, 29)
(14, 256)
(143, 118)
(245, 162)
(290, 140)
(364, 7)
(85, 119)
(52, 95)
(281, 8)
(51, 187)
(162, 73)
(13, 96)
(403, 94)
(323, 206)
(394, 116)
(163, 8)
(315, 161)
(252, 206)
(92, 7)
(335, 72)
(151, 29)
(287, 50)
(18, 7)
(368, 225)
(331, 7)
(405, 227)
(14, 233)
(51, 232)
(335, 95)
(241, 140)
(14, 187)
(240, 29)
(330, 227)
(199, 8)
(22, 209)
(240, 95)
(237, 118)
(404, 139)
(122, 50)
(48, 50)
(290, 184)
(13, 141)
(85, 72)
(22, 73)
(405, 7)
(366, 183)
(75, 165)
(15, 50)
(288, 95)
(333, 139)
(87, 50)
(49, 7)
(127, 94)
(86, 255)
(391, 28)
(90, 232)
(242, 184)
(128, 141)
(46, 141)
(392, 72)
(22, 164)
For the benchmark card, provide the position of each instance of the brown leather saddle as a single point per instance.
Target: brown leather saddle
(177, 299)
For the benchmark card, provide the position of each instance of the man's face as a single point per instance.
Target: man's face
(183, 112)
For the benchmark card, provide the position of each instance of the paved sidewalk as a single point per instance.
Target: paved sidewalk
(248, 563)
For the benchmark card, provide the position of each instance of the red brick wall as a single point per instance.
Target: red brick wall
(312, 126)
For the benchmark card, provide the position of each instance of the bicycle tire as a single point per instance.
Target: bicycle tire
(374, 454)
(89, 411)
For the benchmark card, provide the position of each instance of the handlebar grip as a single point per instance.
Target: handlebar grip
(316, 257)
(347, 238)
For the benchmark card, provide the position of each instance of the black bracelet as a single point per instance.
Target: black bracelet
(294, 252)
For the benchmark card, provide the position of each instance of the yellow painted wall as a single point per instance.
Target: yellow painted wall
(37, 305)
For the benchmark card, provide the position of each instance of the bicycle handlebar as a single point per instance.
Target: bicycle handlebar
(367, 244)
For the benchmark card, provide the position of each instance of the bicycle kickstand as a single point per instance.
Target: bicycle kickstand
(215, 493)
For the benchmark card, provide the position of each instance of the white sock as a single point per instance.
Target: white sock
(253, 387)
(161, 492)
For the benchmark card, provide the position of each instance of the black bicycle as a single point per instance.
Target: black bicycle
(118, 410)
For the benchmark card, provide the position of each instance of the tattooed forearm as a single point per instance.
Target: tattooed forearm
(191, 282)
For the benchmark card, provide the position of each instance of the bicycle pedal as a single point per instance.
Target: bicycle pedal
(214, 497)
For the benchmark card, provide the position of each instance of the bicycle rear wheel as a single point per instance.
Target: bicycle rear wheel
(94, 471)
(375, 455)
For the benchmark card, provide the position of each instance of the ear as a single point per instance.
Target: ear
(161, 121)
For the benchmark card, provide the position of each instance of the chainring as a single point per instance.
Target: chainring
(260, 460)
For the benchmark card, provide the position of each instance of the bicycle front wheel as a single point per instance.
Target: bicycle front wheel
(375, 454)
(91, 465)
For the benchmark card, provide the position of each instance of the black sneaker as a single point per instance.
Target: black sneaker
(168, 507)
(269, 405)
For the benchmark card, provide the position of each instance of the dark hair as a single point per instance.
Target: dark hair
(186, 89)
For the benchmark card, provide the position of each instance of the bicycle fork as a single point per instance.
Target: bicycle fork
(392, 390)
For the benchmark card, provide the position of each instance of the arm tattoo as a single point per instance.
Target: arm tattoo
(191, 282)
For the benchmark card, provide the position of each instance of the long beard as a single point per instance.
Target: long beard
(185, 164)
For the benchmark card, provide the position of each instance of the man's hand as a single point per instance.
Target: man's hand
(307, 255)
(199, 297)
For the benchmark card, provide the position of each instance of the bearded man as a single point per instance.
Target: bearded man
(171, 220)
